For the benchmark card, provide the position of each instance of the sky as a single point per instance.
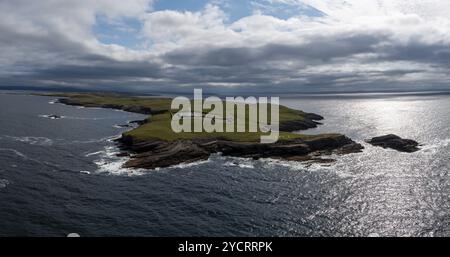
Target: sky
(274, 46)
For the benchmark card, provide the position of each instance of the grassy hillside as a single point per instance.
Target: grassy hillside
(159, 126)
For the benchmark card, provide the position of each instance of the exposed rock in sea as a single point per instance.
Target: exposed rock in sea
(160, 154)
(54, 117)
(395, 142)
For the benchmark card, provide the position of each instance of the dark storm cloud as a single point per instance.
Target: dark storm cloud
(321, 49)
(104, 70)
(46, 44)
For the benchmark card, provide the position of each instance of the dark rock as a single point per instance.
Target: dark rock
(168, 154)
(160, 154)
(395, 142)
(123, 154)
(54, 117)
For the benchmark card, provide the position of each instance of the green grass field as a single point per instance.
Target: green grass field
(159, 127)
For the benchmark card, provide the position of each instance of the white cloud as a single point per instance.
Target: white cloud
(357, 43)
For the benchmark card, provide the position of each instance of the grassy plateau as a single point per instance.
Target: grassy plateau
(159, 125)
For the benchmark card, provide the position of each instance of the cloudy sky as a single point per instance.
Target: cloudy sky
(222, 45)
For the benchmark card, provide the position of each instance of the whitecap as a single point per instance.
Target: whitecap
(435, 145)
(15, 152)
(3, 183)
(124, 126)
(43, 141)
(244, 163)
(246, 166)
(110, 163)
(104, 139)
(297, 166)
(187, 165)
(94, 153)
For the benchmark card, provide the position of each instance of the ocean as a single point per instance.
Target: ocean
(61, 176)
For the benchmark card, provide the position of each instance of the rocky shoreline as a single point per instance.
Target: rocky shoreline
(160, 154)
(152, 154)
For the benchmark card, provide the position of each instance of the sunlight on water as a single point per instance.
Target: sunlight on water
(70, 169)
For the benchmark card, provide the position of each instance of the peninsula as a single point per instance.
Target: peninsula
(153, 144)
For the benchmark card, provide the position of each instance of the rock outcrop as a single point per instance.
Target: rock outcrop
(160, 154)
(395, 142)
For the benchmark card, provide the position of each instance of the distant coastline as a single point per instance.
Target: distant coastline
(362, 94)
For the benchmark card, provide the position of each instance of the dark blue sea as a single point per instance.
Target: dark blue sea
(61, 176)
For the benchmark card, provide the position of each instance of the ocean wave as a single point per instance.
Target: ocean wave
(188, 165)
(91, 141)
(15, 152)
(21, 155)
(435, 145)
(3, 183)
(43, 141)
(243, 163)
(110, 163)
(249, 163)
(297, 166)
(123, 126)
(94, 153)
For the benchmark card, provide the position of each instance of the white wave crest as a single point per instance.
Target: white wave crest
(435, 145)
(297, 166)
(187, 165)
(15, 152)
(243, 163)
(110, 163)
(3, 183)
(44, 141)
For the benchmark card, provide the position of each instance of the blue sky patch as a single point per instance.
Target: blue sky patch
(126, 31)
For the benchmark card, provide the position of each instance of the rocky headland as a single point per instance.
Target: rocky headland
(157, 154)
(153, 145)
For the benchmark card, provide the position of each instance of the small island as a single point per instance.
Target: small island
(395, 142)
(153, 144)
